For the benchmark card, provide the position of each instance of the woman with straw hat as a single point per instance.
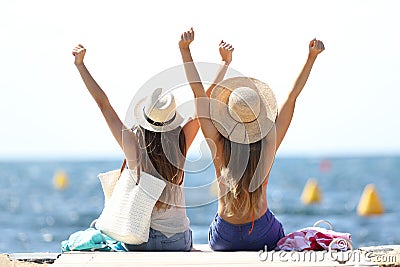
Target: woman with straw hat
(156, 145)
(244, 129)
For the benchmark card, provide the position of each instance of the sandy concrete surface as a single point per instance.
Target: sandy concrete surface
(6, 262)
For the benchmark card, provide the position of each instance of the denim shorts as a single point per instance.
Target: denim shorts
(159, 242)
(224, 236)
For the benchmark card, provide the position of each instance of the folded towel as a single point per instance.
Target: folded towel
(91, 239)
(312, 238)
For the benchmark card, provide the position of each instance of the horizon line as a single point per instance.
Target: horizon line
(116, 157)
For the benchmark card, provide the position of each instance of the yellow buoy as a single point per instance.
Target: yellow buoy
(214, 189)
(60, 180)
(311, 193)
(370, 203)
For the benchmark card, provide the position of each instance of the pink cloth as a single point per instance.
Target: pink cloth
(311, 238)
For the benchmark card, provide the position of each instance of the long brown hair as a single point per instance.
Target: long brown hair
(243, 171)
(163, 156)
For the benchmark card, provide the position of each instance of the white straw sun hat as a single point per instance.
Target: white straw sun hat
(243, 109)
(158, 112)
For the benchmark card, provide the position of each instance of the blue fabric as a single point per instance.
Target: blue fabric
(91, 239)
(224, 236)
(159, 242)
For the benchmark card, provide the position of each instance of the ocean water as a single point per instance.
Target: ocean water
(36, 217)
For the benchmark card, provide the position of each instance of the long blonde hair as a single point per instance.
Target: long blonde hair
(163, 155)
(243, 172)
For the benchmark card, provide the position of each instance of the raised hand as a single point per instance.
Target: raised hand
(186, 38)
(286, 111)
(316, 47)
(79, 53)
(225, 50)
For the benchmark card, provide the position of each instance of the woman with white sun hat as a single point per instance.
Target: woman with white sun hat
(156, 145)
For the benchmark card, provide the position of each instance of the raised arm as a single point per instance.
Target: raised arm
(202, 102)
(225, 50)
(126, 139)
(286, 111)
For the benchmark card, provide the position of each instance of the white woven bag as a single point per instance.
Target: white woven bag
(108, 181)
(128, 205)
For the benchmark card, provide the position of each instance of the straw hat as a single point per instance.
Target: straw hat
(243, 109)
(158, 112)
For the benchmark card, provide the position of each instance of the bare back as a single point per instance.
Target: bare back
(222, 189)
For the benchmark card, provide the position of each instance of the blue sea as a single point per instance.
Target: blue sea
(36, 217)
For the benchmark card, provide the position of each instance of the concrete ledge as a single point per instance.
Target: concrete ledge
(23, 260)
(203, 256)
(42, 257)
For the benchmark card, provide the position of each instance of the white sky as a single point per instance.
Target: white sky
(349, 105)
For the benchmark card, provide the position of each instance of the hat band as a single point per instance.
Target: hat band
(158, 123)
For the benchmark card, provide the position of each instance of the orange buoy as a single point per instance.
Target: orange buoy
(311, 193)
(370, 203)
(325, 165)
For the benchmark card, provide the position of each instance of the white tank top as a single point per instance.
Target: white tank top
(172, 220)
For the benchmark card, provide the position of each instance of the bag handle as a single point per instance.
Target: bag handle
(134, 130)
(122, 167)
(137, 172)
